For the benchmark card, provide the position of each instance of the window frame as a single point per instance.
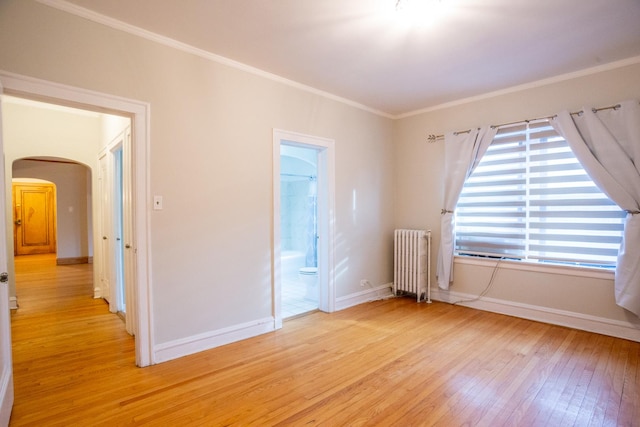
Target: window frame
(533, 260)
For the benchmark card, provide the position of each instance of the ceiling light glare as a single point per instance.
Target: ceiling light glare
(419, 12)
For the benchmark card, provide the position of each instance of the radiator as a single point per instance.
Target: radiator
(412, 263)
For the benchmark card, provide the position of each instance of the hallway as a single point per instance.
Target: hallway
(59, 334)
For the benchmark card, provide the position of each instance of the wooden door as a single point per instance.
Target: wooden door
(34, 218)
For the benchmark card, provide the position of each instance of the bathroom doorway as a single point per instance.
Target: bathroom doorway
(298, 229)
(303, 225)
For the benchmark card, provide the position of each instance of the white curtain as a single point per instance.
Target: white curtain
(462, 152)
(607, 143)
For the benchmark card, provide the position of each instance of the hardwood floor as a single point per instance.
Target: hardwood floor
(386, 363)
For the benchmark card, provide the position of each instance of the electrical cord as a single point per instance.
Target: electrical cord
(486, 289)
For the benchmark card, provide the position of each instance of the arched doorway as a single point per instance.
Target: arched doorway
(65, 207)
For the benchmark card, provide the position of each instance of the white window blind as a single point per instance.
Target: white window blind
(529, 198)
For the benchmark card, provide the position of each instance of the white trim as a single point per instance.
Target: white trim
(585, 322)
(561, 270)
(6, 368)
(13, 303)
(208, 340)
(53, 107)
(276, 253)
(137, 31)
(46, 91)
(157, 38)
(372, 294)
(166, 41)
(531, 85)
(17, 85)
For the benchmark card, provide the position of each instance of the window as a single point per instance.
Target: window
(530, 199)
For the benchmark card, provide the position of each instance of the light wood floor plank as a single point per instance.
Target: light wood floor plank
(629, 406)
(385, 363)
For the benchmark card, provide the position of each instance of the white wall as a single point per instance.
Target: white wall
(112, 128)
(420, 189)
(50, 132)
(210, 158)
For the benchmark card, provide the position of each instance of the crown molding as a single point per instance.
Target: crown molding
(85, 13)
(88, 14)
(531, 85)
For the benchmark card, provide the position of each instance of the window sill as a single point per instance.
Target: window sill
(564, 270)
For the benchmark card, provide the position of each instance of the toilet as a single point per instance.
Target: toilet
(309, 277)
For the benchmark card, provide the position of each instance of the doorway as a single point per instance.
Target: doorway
(137, 244)
(298, 229)
(115, 228)
(118, 230)
(303, 182)
(69, 213)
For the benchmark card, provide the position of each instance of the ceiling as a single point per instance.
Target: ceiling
(364, 51)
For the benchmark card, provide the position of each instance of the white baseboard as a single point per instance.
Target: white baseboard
(371, 294)
(585, 322)
(13, 303)
(208, 340)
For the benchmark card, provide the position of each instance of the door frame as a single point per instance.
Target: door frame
(6, 361)
(102, 216)
(115, 185)
(117, 212)
(326, 219)
(139, 112)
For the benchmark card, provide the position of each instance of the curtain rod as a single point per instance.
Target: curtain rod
(433, 138)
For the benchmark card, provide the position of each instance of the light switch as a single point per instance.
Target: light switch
(157, 203)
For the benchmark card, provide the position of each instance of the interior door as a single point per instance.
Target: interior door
(34, 218)
(6, 364)
(129, 256)
(105, 266)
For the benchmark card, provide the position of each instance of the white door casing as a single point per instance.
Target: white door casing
(116, 208)
(121, 256)
(128, 235)
(116, 260)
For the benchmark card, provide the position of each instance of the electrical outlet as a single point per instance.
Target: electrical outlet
(364, 283)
